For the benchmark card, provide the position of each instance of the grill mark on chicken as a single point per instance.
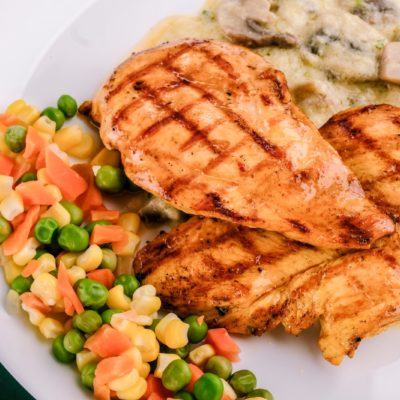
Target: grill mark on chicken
(297, 225)
(356, 233)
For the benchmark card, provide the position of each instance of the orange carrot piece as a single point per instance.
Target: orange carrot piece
(108, 215)
(41, 159)
(103, 234)
(34, 143)
(8, 119)
(34, 192)
(30, 268)
(68, 324)
(101, 392)
(66, 289)
(18, 238)
(108, 342)
(18, 220)
(62, 175)
(104, 276)
(196, 374)
(20, 169)
(223, 344)
(112, 368)
(32, 301)
(156, 389)
(69, 307)
(92, 198)
(6, 165)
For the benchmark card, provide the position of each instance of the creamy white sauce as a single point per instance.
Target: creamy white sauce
(337, 64)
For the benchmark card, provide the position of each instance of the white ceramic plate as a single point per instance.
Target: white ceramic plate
(292, 368)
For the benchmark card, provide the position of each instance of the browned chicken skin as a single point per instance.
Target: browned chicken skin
(250, 281)
(368, 140)
(210, 128)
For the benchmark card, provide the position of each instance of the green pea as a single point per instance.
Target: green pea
(67, 105)
(73, 238)
(176, 376)
(129, 283)
(91, 293)
(220, 366)
(74, 341)
(109, 260)
(5, 229)
(183, 395)
(263, 393)
(60, 352)
(21, 284)
(89, 227)
(197, 332)
(45, 230)
(182, 352)
(87, 375)
(110, 179)
(155, 322)
(88, 321)
(39, 252)
(208, 387)
(55, 115)
(74, 211)
(29, 176)
(107, 315)
(15, 138)
(243, 382)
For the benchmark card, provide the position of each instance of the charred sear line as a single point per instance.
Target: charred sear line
(218, 205)
(298, 226)
(349, 128)
(356, 233)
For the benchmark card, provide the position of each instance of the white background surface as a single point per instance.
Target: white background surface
(81, 57)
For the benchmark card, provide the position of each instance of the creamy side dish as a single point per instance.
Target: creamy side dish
(329, 50)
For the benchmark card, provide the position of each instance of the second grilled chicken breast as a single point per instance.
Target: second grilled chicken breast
(368, 140)
(210, 127)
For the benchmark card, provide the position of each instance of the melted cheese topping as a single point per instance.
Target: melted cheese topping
(336, 65)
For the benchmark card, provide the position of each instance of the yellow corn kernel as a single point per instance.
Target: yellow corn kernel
(35, 316)
(68, 137)
(11, 270)
(59, 213)
(130, 222)
(201, 354)
(85, 357)
(134, 354)
(27, 252)
(50, 328)
(146, 305)
(229, 393)
(42, 177)
(59, 307)
(45, 287)
(117, 299)
(12, 205)
(125, 382)
(6, 184)
(76, 273)
(55, 191)
(163, 360)
(176, 334)
(68, 259)
(144, 370)
(135, 392)
(91, 258)
(145, 340)
(47, 263)
(162, 326)
(124, 265)
(84, 149)
(131, 246)
(13, 302)
(45, 125)
(24, 112)
(145, 290)
(107, 157)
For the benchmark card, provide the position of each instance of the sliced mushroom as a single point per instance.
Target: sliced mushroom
(390, 63)
(247, 22)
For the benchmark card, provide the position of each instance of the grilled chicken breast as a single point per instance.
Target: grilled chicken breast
(210, 128)
(368, 140)
(250, 281)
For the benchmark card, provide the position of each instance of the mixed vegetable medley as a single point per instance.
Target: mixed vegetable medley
(67, 259)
